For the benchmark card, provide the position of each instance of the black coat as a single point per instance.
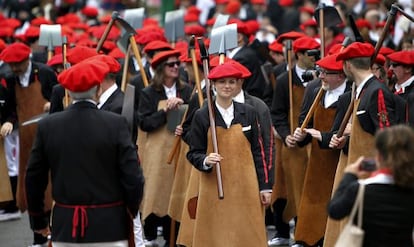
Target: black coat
(388, 216)
(56, 99)
(114, 102)
(92, 161)
(243, 114)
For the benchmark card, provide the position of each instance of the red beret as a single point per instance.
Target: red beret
(356, 49)
(380, 59)
(68, 18)
(193, 10)
(80, 25)
(90, 11)
(215, 60)
(241, 26)
(83, 76)
(116, 53)
(222, 1)
(289, 35)
(385, 51)
(80, 53)
(361, 23)
(252, 26)
(150, 22)
(39, 21)
(148, 37)
(56, 60)
(113, 64)
(308, 23)
(233, 7)
(182, 47)
(372, 1)
(305, 43)
(210, 22)
(225, 70)
(329, 63)
(15, 53)
(12, 23)
(276, 47)
(157, 45)
(286, 3)
(188, 59)
(105, 19)
(191, 17)
(2, 45)
(163, 56)
(261, 2)
(6, 32)
(87, 42)
(402, 57)
(32, 32)
(309, 10)
(336, 48)
(196, 30)
(97, 32)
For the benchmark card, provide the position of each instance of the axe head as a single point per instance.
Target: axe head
(330, 15)
(174, 25)
(135, 17)
(123, 42)
(223, 38)
(50, 36)
(221, 20)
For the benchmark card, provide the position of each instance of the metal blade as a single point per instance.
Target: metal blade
(34, 119)
(128, 105)
(221, 20)
(223, 38)
(50, 36)
(174, 25)
(135, 17)
(330, 15)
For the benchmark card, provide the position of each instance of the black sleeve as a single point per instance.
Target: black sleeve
(192, 108)
(280, 107)
(150, 118)
(47, 79)
(36, 180)
(343, 200)
(56, 99)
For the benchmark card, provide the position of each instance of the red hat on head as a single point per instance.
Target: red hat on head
(97, 32)
(15, 53)
(157, 45)
(150, 22)
(32, 32)
(305, 43)
(329, 63)
(293, 35)
(308, 10)
(380, 59)
(193, 10)
(87, 42)
(361, 23)
(6, 32)
(188, 59)
(286, 3)
(233, 7)
(372, 1)
(196, 30)
(108, 45)
(336, 48)
(90, 11)
(83, 76)
(148, 37)
(2, 45)
(222, 1)
(105, 19)
(113, 64)
(39, 21)
(259, 2)
(163, 56)
(252, 26)
(80, 25)
(215, 60)
(245, 71)
(308, 23)
(191, 17)
(56, 60)
(385, 51)
(356, 49)
(12, 23)
(116, 53)
(210, 22)
(402, 57)
(276, 47)
(80, 53)
(225, 70)
(68, 18)
(241, 26)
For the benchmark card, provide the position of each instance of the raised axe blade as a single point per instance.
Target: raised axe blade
(357, 35)
(135, 17)
(223, 38)
(127, 28)
(123, 42)
(128, 105)
(330, 15)
(174, 25)
(221, 20)
(50, 35)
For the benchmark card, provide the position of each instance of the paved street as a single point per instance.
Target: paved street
(17, 233)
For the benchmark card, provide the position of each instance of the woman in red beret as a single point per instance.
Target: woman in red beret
(159, 114)
(236, 220)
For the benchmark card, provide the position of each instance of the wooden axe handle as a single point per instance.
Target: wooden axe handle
(197, 77)
(125, 69)
(105, 35)
(312, 109)
(139, 60)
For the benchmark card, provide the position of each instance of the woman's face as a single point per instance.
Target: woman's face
(171, 67)
(225, 87)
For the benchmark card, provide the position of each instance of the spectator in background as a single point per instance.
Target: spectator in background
(388, 217)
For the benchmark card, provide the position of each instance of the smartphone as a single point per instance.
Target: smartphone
(368, 165)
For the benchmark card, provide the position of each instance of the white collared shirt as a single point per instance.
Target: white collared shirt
(170, 92)
(25, 78)
(233, 52)
(105, 95)
(332, 96)
(84, 100)
(359, 88)
(226, 114)
(299, 71)
(404, 84)
(240, 97)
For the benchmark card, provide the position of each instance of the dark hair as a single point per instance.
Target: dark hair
(396, 146)
(159, 78)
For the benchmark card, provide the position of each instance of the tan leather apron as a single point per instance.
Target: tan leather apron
(360, 143)
(158, 174)
(180, 184)
(294, 161)
(238, 219)
(317, 188)
(5, 186)
(29, 103)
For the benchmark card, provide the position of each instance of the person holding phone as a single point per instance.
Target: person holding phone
(388, 218)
